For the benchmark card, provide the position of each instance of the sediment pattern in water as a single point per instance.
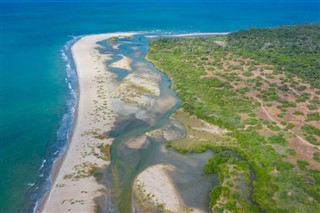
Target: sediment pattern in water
(144, 104)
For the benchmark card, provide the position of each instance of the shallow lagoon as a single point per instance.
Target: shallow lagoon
(133, 150)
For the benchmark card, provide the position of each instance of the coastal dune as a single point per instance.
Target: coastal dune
(75, 183)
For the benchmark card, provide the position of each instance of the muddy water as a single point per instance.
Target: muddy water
(133, 150)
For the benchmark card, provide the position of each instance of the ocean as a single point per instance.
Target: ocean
(38, 80)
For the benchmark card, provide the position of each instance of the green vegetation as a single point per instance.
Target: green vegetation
(313, 116)
(97, 133)
(147, 200)
(311, 132)
(105, 151)
(278, 139)
(113, 39)
(84, 170)
(308, 129)
(139, 89)
(234, 177)
(316, 156)
(295, 49)
(237, 86)
(200, 138)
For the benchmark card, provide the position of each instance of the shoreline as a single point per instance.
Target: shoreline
(69, 191)
(76, 193)
(186, 35)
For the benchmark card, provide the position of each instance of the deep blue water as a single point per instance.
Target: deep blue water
(36, 113)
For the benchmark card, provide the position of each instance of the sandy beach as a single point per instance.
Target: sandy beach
(75, 186)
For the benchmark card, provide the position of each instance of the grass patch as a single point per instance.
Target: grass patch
(113, 39)
(105, 151)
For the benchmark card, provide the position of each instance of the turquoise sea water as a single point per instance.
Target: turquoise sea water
(36, 99)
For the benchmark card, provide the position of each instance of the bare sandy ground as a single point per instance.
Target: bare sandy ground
(153, 188)
(138, 142)
(124, 63)
(75, 186)
(154, 191)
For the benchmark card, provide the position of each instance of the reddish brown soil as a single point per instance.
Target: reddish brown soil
(269, 110)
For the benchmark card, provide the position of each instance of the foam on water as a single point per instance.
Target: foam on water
(56, 149)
